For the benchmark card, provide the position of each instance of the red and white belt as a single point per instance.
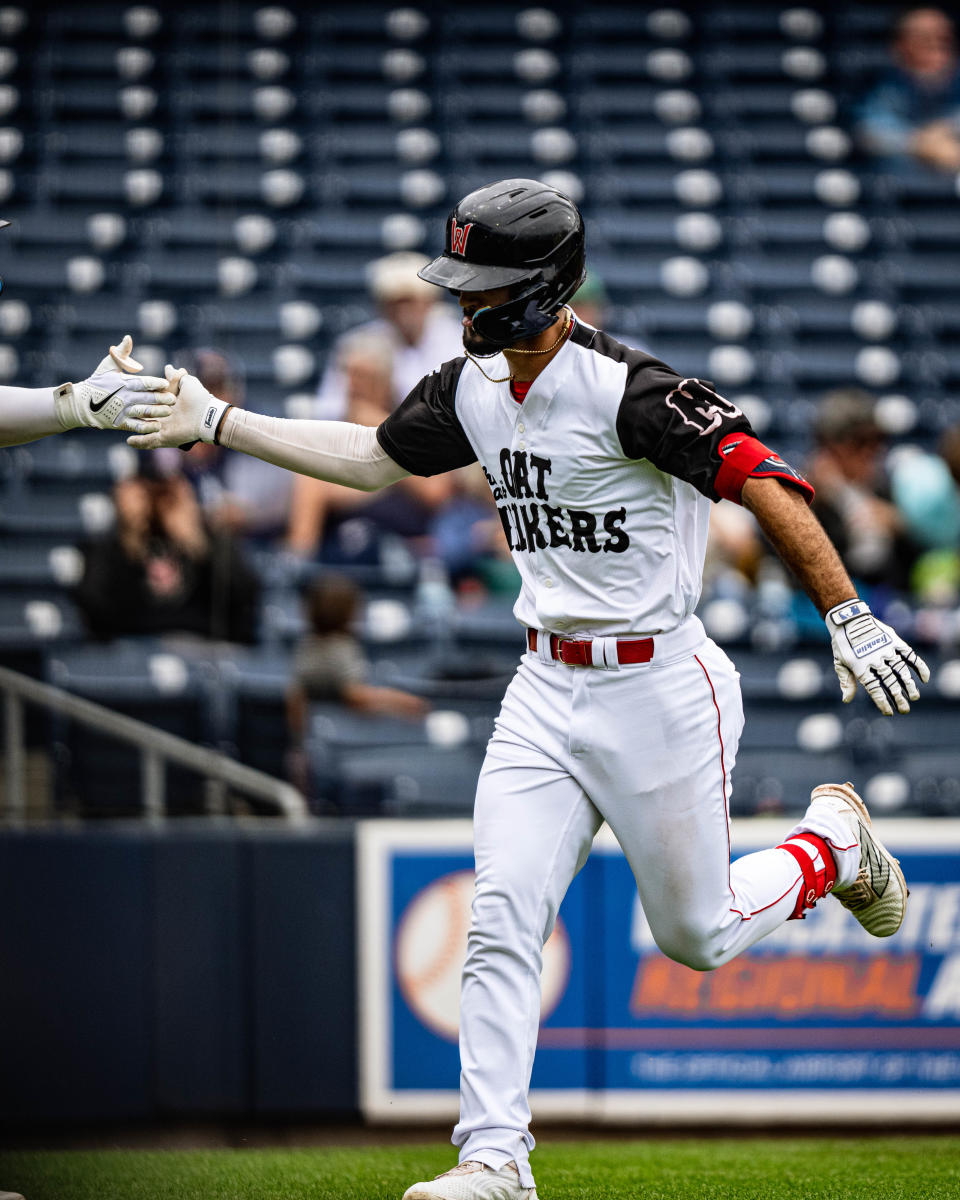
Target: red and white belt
(594, 652)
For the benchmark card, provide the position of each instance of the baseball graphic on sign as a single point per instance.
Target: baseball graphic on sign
(431, 946)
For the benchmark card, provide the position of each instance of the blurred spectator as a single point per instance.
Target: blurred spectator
(735, 546)
(342, 523)
(926, 490)
(913, 112)
(469, 540)
(365, 363)
(239, 494)
(592, 306)
(419, 332)
(590, 301)
(330, 666)
(851, 501)
(162, 570)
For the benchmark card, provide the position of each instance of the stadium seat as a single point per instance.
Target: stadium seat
(747, 21)
(773, 781)
(258, 730)
(482, 102)
(31, 627)
(75, 463)
(407, 780)
(98, 776)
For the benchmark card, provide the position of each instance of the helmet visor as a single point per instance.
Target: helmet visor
(461, 276)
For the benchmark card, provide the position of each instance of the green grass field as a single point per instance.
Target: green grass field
(921, 1168)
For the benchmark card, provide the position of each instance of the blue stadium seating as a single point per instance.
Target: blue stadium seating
(216, 116)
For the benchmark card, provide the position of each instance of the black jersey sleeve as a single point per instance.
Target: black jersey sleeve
(424, 434)
(687, 429)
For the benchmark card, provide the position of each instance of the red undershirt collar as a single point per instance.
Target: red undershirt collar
(519, 389)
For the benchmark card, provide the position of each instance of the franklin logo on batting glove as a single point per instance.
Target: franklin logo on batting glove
(868, 652)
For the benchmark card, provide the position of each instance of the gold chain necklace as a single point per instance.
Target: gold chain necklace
(567, 325)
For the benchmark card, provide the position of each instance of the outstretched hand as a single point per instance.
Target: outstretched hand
(106, 399)
(193, 415)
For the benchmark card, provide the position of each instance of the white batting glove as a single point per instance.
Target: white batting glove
(195, 416)
(868, 652)
(104, 400)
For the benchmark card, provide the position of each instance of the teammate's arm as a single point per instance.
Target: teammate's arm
(864, 649)
(102, 401)
(335, 451)
(422, 437)
(27, 414)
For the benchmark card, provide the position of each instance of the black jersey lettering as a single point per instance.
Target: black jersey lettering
(531, 526)
(558, 535)
(504, 514)
(619, 539)
(521, 541)
(583, 526)
(521, 480)
(506, 471)
(542, 466)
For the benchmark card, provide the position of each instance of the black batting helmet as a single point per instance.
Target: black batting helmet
(518, 233)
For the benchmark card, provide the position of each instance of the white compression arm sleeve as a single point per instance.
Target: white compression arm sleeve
(27, 414)
(333, 450)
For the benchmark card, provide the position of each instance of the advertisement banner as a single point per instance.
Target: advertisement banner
(818, 1021)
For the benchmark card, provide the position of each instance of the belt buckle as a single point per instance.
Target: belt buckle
(579, 652)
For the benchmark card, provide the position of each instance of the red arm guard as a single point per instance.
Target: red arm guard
(744, 457)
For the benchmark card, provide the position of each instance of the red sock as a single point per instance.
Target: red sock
(818, 867)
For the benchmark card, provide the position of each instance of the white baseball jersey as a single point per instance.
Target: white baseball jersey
(602, 477)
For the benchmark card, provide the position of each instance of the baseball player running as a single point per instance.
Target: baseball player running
(102, 401)
(602, 462)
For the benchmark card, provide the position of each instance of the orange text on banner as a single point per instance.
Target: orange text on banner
(784, 988)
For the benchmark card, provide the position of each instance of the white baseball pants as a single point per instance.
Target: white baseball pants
(648, 749)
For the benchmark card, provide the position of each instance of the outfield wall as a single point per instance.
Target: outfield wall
(192, 970)
(817, 1022)
(208, 969)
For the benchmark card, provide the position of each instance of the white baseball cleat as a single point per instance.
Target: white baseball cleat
(10, 1196)
(878, 896)
(473, 1181)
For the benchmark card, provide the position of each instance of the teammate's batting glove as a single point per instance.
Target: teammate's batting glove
(105, 400)
(868, 652)
(195, 416)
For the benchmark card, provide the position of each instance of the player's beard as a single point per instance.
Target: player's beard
(476, 343)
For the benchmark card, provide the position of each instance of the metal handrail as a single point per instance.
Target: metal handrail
(156, 748)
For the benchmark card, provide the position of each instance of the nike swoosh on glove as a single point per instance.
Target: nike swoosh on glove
(868, 652)
(104, 400)
(195, 416)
